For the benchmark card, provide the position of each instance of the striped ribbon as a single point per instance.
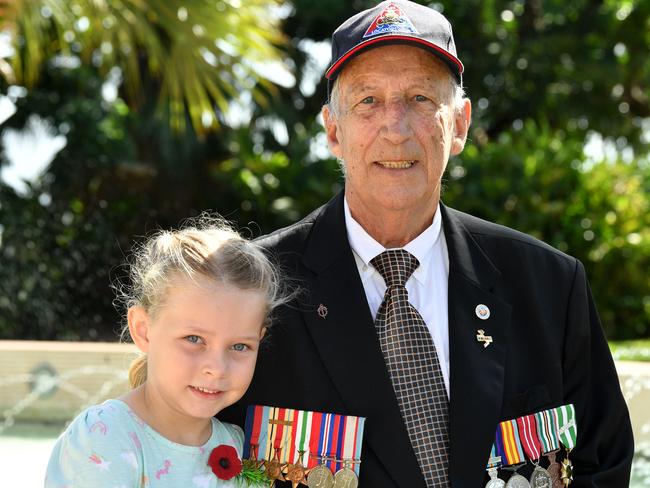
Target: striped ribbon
(494, 461)
(303, 437)
(300, 442)
(547, 430)
(510, 442)
(567, 427)
(528, 437)
(361, 422)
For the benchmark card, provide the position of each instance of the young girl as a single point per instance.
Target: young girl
(198, 306)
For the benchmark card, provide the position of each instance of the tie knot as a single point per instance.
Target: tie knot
(395, 266)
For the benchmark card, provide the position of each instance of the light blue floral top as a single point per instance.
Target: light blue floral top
(109, 446)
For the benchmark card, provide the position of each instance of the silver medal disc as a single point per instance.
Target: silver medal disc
(495, 481)
(320, 477)
(541, 478)
(345, 478)
(517, 481)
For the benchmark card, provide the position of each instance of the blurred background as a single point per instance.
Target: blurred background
(120, 117)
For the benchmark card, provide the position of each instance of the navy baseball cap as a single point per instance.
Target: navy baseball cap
(394, 22)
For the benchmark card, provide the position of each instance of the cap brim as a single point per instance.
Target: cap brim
(453, 62)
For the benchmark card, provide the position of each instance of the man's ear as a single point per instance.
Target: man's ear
(331, 130)
(139, 320)
(462, 119)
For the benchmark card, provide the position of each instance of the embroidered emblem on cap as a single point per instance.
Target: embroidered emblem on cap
(391, 19)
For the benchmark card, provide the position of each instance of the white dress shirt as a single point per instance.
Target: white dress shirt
(427, 286)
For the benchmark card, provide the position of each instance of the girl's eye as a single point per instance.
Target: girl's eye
(240, 347)
(194, 339)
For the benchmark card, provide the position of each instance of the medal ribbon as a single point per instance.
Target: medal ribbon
(249, 442)
(287, 444)
(340, 437)
(347, 453)
(280, 435)
(325, 439)
(567, 427)
(271, 432)
(314, 438)
(547, 431)
(358, 442)
(528, 437)
(494, 460)
(511, 444)
(305, 432)
(293, 453)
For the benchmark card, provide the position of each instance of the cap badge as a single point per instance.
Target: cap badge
(391, 19)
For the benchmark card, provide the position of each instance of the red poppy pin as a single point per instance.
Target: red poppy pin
(225, 462)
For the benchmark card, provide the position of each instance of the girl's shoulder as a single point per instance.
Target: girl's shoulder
(99, 444)
(225, 433)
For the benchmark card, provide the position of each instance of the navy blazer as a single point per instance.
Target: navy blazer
(548, 349)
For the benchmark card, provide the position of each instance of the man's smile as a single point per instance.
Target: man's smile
(396, 164)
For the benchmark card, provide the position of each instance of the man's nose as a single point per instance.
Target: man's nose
(396, 124)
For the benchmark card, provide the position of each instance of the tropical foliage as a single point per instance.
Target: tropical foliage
(548, 81)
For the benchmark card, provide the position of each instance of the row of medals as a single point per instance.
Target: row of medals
(556, 476)
(317, 477)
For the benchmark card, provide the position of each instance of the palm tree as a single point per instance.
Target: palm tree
(195, 54)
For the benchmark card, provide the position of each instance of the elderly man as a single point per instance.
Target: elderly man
(433, 325)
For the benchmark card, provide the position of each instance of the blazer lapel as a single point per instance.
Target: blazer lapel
(476, 369)
(347, 343)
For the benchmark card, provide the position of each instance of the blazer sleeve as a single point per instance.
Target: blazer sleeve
(604, 448)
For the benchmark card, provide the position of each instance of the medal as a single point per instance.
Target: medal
(568, 433)
(252, 433)
(546, 423)
(541, 478)
(276, 431)
(495, 481)
(566, 472)
(514, 455)
(554, 469)
(517, 481)
(533, 448)
(320, 477)
(492, 468)
(295, 471)
(346, 477)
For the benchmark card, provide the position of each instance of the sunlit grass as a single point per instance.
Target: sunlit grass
(636, 350)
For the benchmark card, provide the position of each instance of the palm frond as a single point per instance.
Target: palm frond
(202, 52)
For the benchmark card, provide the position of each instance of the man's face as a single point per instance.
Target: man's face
(395, 127)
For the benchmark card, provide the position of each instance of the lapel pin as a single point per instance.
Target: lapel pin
(322, 311)
(482, 312)
(485, 339)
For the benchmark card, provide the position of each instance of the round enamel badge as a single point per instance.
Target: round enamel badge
(482, 312)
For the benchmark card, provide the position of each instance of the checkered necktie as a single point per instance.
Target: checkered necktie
(414, 369)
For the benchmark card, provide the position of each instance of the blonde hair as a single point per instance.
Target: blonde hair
(205, 247)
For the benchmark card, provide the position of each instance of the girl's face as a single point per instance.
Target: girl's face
(202, 346)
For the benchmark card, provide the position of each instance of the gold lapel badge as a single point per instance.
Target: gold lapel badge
(322, 311)
(485, 339)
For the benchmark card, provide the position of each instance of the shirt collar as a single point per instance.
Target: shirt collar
(366, 247)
